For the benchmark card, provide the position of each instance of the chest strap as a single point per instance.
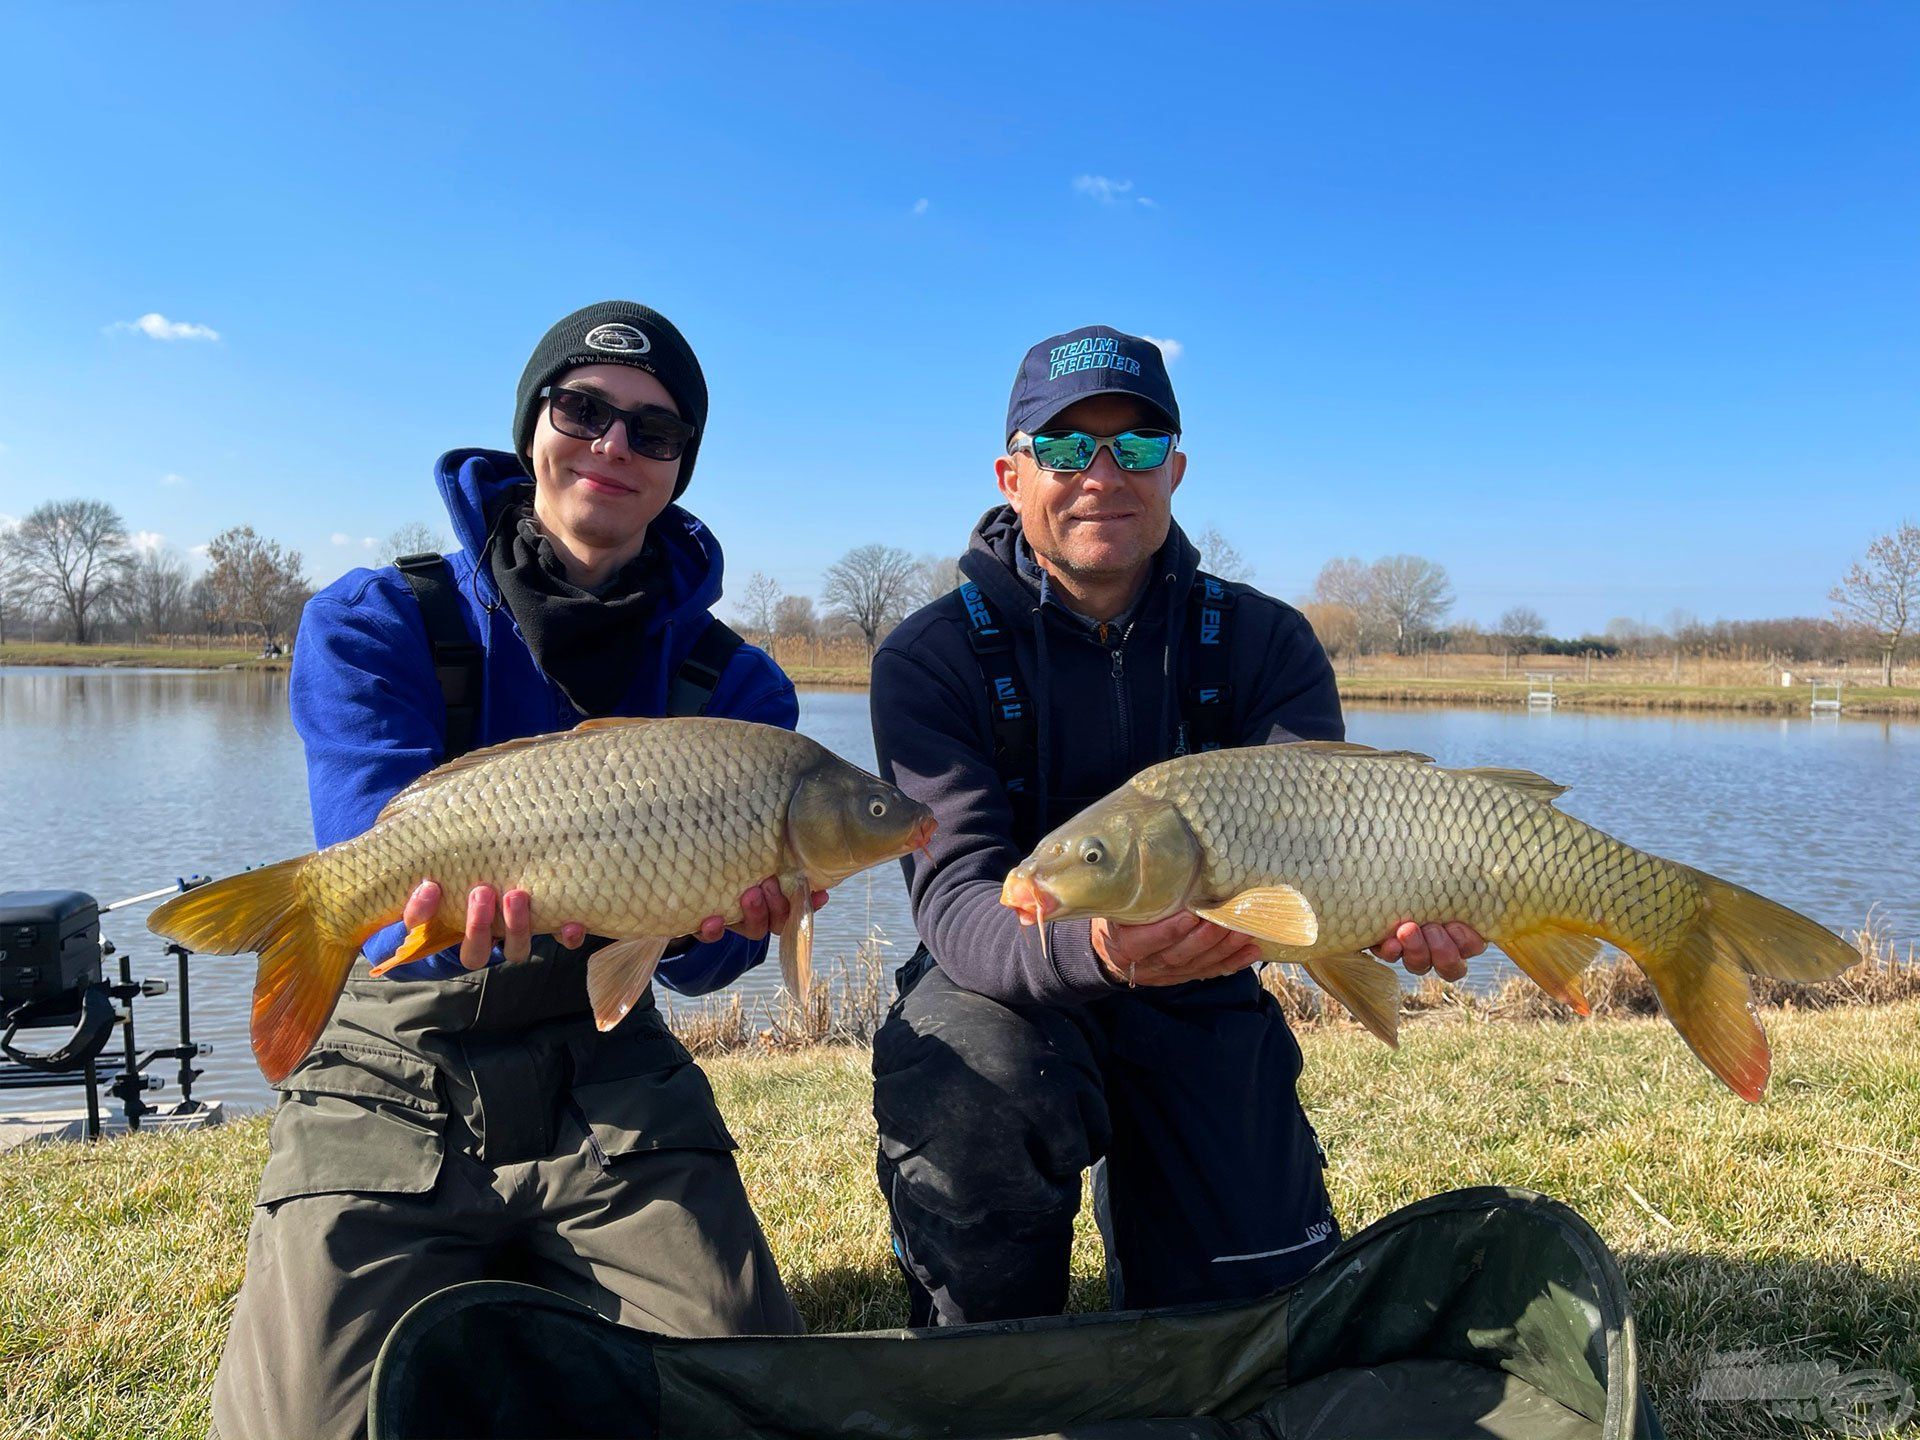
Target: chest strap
(1206, 695)
(1206, 700)
(460, 665)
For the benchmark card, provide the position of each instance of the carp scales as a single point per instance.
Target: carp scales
(637, 829)
(1317, 849)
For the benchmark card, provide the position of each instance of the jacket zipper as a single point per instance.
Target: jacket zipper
(1119, 671)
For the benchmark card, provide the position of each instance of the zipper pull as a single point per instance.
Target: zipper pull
(1119, 661)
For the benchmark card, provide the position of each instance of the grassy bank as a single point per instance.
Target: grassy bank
(1788, 1225)
(138, 657)
(1610, 695)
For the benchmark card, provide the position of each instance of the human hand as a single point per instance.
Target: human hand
(1443, 947)
(1168, 952)
(764, 911)
(476, 945)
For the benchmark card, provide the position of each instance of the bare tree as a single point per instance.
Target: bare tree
(153, 597)
(1337, 627)
(416, 537)
(1882, 593)
(933, 576)
(1411, 596)
(1344, 588)
(1520, 628)
(1219, 557)
(11, 601)
(758, 603)
(793, 618)
(868, 587)
(256, 581)
(69, 555)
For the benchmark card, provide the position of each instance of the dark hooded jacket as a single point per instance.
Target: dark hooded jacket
(1107, 703)
(370, 711)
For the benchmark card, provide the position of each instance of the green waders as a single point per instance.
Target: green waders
(452, 1130)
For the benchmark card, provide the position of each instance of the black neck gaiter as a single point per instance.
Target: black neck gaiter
(589, 642)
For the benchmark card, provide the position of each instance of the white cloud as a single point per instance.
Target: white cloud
(156, 326)
(172, 479)
(1171, 349)
(367, 542)
(340, 537)
(922, 205)
(1148, 201)
(1099, 187)
(145, 540)
(200, 549)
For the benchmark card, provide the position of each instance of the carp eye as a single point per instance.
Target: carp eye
(876, 807)
(1093, 855)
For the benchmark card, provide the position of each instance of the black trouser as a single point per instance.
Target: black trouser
(989, 1113)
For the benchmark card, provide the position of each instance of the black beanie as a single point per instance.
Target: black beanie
(615, 332)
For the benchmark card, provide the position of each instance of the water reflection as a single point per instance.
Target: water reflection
(114, 782)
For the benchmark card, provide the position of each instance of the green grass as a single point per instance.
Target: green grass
(136, 657)
(1791, 1224)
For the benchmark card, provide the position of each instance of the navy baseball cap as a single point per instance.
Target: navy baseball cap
(1093, 360)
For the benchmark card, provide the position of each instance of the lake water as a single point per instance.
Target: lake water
(114, 782)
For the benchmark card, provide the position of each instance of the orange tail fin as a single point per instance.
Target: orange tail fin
(301, 971)
(1702, 983)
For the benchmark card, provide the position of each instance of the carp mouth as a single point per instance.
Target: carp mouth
(1023, 895)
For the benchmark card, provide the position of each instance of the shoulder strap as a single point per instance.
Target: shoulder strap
(1206, 700)
(1015, 728)
(457, 660)
(699, 674)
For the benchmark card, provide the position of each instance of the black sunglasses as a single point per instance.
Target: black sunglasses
(652, 431)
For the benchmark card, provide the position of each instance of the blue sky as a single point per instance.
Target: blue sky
(1610, 308)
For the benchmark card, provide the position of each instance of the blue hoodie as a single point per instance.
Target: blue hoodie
(369, 709)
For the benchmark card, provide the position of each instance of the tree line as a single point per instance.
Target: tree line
(1397, 604)
(71, 567)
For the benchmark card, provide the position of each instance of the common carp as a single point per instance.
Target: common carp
(637, 829)
(1317, 849)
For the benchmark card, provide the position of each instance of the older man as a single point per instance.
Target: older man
(1084, 646)
(463, 1118)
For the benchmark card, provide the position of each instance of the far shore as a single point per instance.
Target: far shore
(1900, 702)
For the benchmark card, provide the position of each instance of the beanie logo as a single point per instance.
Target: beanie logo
(618, 339)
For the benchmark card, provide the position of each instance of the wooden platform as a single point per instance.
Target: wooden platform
(35, 1127)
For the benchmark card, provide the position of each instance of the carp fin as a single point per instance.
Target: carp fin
(1358, 752)
(1709, 1003)
(1278, 914)
(1368, 989)
(617, 974)
(796, 946)
(302, 971)
(423, 940)
(1525, 782)
(613, 722)
(1553, 957)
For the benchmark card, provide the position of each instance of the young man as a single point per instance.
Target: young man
(462, 1118)
(1084, 647)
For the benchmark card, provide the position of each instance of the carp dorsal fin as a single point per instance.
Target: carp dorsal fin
(1534, 787)
(1351, 751)
(613, 722)
(472, 758)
